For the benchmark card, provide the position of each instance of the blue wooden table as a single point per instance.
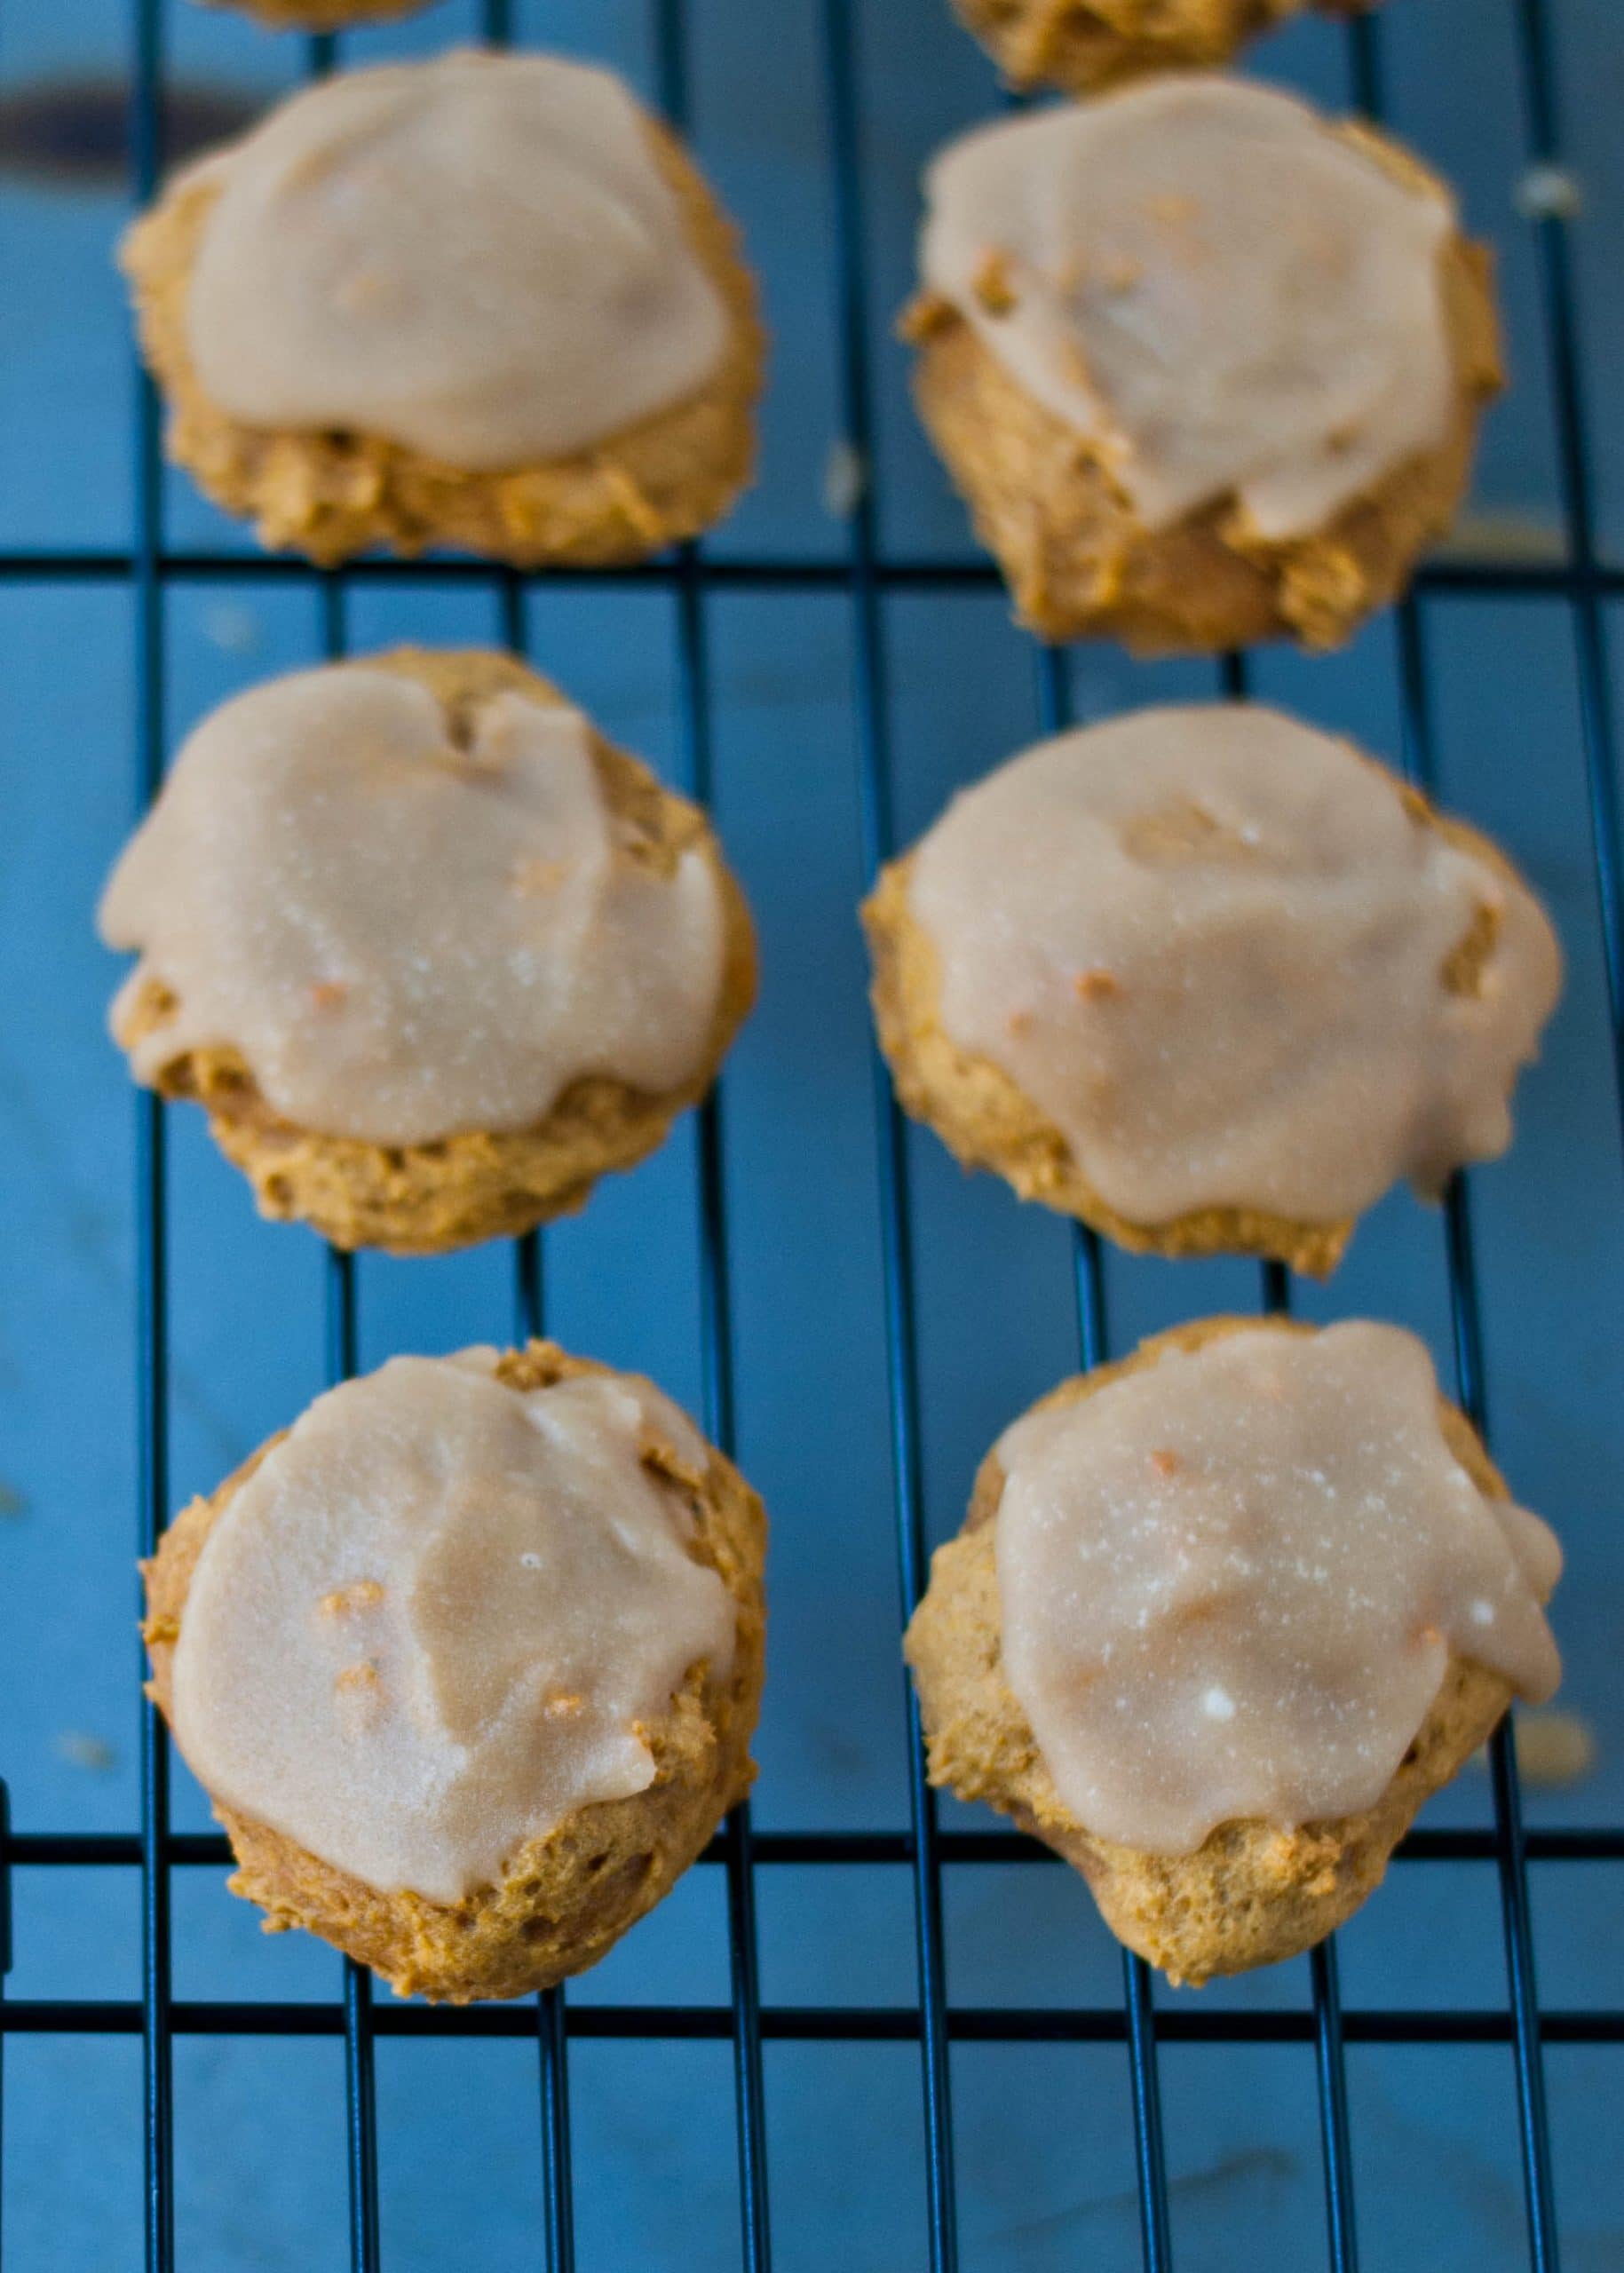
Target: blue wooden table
(951, 2057)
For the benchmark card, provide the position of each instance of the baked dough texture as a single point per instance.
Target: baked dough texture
(331, 494)
(319, 15)
(1080, 565)
(478, 1185)
(1081, 45)
(988, 1121)
(1252, 1893)
(566, 1898)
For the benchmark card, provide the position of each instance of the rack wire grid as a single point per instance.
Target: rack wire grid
(881, 595)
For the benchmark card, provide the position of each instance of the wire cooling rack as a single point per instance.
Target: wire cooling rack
(1581, 584)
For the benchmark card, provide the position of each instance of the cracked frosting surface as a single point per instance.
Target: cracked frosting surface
(478, 257)
(436, 1618)
(1231, 1584)
(1222, 292)
(407, 934)
(1229, 961)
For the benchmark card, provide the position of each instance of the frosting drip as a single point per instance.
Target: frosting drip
(439, 1616)
(404, 935)
(1201, 276)
(1220, 954)
(1231, 1582)
(478, 257)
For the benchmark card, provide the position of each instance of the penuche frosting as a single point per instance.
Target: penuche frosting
(441, 1614)
(1231, 1582)
(1222, 293)
(407, 935)
(478, 257)
(1223, 956)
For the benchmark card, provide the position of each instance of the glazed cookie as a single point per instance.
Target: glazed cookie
(319, 15)
(1206, 367)
(431, 953)
(1209, 981)
(468, 1662)
(1081, 45)
(483, 301)
(1221, 1617)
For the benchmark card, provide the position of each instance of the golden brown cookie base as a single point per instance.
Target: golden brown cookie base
(1080, 564)
(566, 1898)
(319, 15)
(1252, 1894)
(1084, 44)
(331, 494)
(988, 1121)
(481, 1184)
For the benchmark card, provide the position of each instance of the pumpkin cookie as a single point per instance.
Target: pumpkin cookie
(1081, 45)
(468, 1662)
(1206, 367)
(431, 953)
(1221, 1617)
(319, 15)
(1210, 981)
(483, 301)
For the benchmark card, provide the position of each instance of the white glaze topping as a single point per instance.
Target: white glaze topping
(1231, 1582)
(1209, 944)
(1203, 277)
(403, 935)
(440, 1616)
(477, 256)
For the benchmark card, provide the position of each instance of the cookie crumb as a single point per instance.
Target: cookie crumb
(1097, 986)
(1549, 193)
(845, 479)
(81, 1748)
(234, 628)
(1166, 1463)
(1554, 1749)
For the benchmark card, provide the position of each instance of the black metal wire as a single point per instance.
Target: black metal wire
(1336, 2153)
(727, 572)
(529, 1315)
(1094, 1341)
(1543, 136)
(1330, 2066)
(209, 1850)
(715, 1351)
(359, 2079)
(152, 1307)
(6, 1966)
(1583, 582)
(1464, 1297)
(845, 128)
(696, 733)
(553, 2043)
(1419, 753)
(1544, 142)
(809, 2023)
